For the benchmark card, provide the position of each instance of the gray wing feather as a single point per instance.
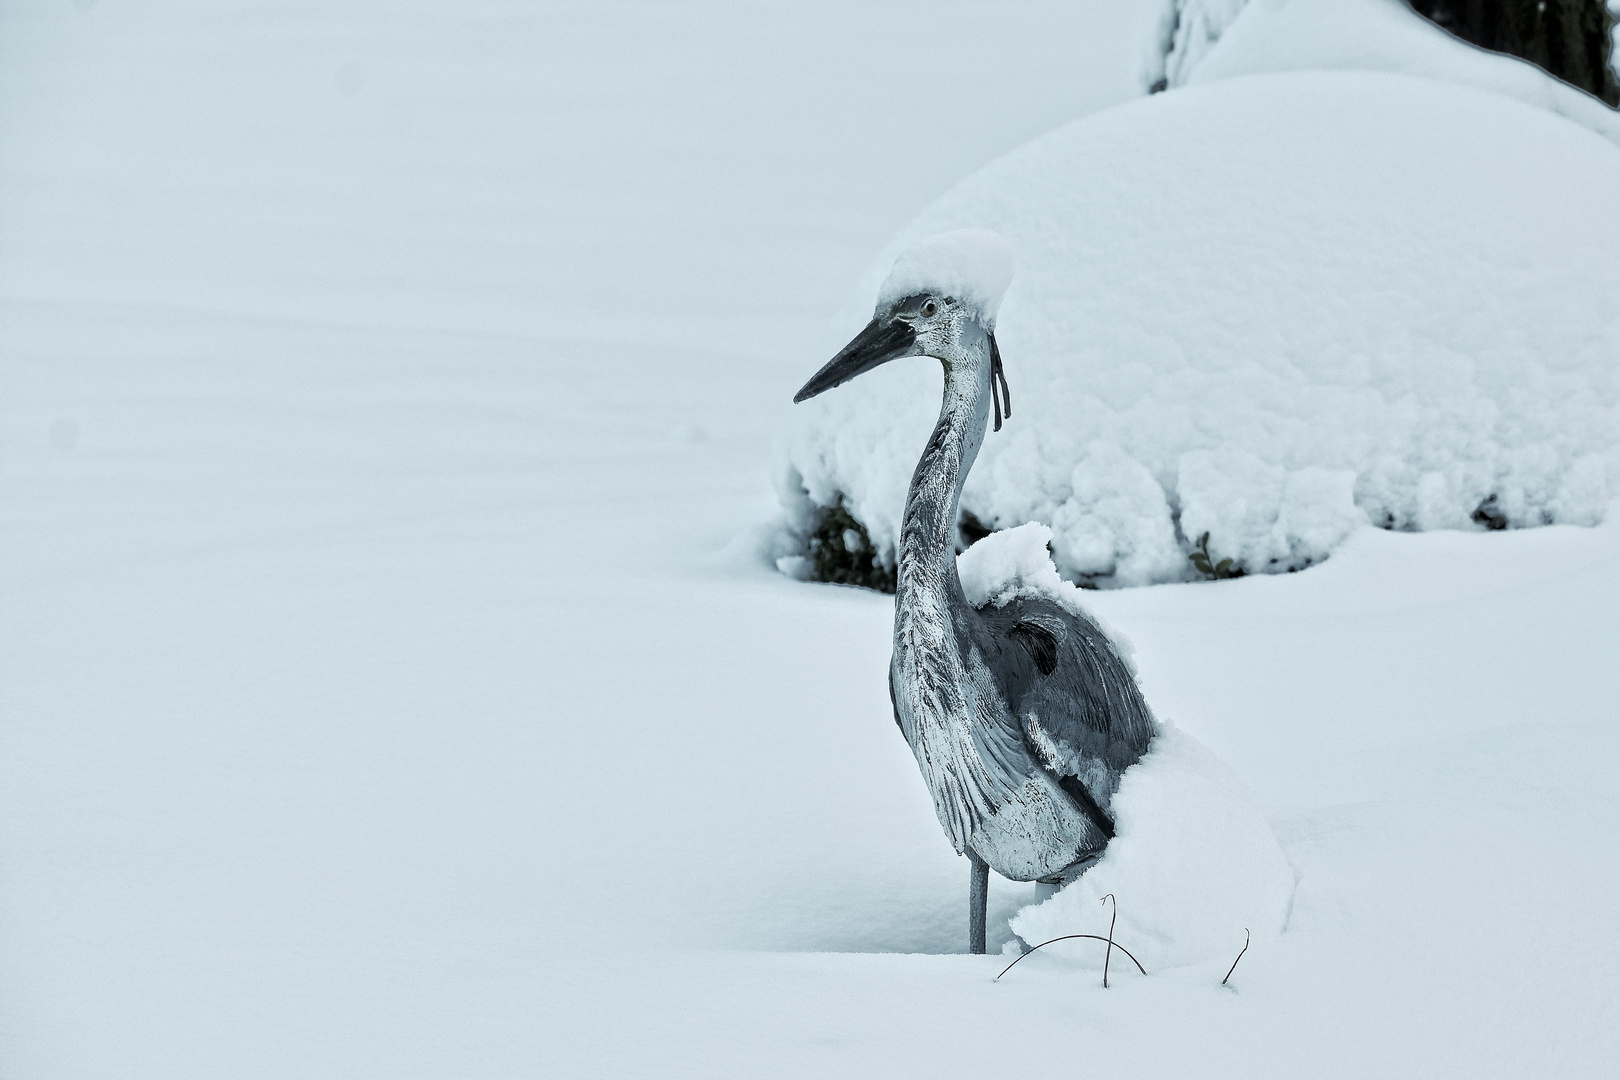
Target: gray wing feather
(1084, 717)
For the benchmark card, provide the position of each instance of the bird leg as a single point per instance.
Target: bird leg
(978, 900)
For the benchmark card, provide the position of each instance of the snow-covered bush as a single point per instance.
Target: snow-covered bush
(1356, 35)
(1568, 38)
(1188, 30)
(1272, 309)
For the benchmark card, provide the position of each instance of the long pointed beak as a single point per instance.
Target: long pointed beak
(879, 343)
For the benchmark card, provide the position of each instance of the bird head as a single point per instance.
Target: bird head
(939, 300)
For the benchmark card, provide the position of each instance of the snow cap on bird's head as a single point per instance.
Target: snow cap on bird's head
(971, 266)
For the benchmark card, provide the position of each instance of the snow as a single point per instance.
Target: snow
(384, 691)
(1017, 562)
(1005, 563)
(1275, 309)
(972, 266)
(1248, 37)
(1192, 865)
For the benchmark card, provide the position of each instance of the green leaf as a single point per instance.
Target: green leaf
(1223, 566)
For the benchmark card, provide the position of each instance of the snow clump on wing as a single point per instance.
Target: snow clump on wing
(1274, 309)
(1015, 562)
(1193, 862)
(972, 266)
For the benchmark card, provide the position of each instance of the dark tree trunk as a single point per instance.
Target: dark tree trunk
(1567, 38)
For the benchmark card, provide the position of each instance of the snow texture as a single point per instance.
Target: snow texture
(973, 266)
(1274, 309)
(1192, 864)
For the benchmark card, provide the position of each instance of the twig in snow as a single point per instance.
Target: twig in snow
(1067, 937)
(1239, 955)
(1110, 953)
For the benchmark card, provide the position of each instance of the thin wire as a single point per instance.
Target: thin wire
(1110, 953)
(1239, 955)
(1068, 937)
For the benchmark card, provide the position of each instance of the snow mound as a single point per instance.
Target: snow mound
(1016, 562)
(974, 266)
(1192, 864)
(1274, 309)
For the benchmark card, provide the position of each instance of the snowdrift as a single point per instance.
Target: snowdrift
(1273, 308)
(1193, 865)
(1194, 861)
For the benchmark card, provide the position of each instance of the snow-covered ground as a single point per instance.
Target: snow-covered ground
(390, 682)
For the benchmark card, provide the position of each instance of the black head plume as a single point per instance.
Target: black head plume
(1003, 399)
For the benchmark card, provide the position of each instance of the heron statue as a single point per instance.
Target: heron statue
(1022, 714)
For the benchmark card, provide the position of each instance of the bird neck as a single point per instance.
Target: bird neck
(927, 561)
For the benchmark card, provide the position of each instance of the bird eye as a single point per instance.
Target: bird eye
(929, 307)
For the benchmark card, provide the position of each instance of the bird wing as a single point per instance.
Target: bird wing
(1082, 714)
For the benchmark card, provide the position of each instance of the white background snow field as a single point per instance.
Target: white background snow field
(396, 451)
